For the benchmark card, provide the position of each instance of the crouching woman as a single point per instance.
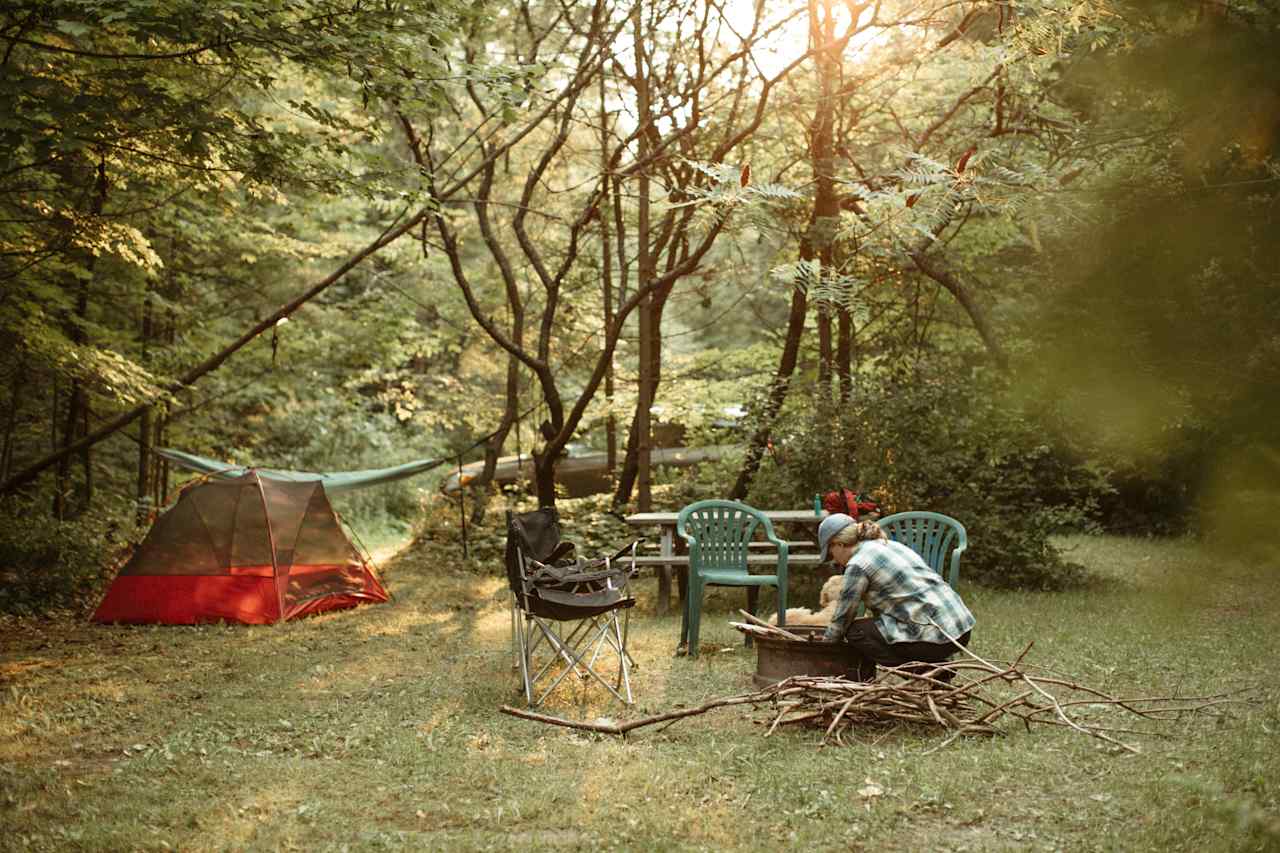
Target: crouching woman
(915, 614)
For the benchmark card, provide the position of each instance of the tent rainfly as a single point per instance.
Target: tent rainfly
(333, 482)
(248, 549)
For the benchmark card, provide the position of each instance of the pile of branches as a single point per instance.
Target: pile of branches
(966, 696)
(955, 697)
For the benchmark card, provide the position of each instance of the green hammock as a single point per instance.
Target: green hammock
(339, 482)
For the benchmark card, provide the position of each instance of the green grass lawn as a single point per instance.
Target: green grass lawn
(379, 728)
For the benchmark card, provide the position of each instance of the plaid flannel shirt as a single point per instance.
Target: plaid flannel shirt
(902, 593)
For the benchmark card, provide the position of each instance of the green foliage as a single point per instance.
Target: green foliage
(54, 565)
(1161, 338)
(936, 435)
(117, 114)
(676, 487)
(171, 169)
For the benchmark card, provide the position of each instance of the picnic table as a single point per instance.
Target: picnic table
(801, 553)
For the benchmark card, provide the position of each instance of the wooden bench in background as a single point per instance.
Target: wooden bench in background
(801, 553)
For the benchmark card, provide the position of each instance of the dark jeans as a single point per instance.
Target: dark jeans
(867, 640)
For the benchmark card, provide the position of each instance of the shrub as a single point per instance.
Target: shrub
(937, 436)
(586, 521)
(52, 565)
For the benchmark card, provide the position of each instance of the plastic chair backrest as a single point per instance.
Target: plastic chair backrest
(718, 532)
(931, 535)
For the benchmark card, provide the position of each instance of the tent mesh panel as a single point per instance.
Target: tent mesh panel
(319, 541)
(248, 550)
(286, 505)
(219, 526)
(210, 530)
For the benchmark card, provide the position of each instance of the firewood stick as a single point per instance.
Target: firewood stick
(1062, 715)
(934, 710)
(835, 722)
(947, 715)
(757, 621)
(1051, 722)
(999, 709)
(950, 739)
(776, 721)
(1031, 682)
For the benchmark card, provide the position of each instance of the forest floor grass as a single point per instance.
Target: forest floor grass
(378, 728)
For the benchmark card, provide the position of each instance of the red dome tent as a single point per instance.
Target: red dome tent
(248, 548)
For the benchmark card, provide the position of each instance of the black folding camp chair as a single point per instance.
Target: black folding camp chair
(564, 611)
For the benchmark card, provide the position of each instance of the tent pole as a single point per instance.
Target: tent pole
(271, 539)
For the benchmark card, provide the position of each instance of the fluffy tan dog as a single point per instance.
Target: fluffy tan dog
(827, 599)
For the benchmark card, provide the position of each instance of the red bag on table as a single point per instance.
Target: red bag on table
(849, 502)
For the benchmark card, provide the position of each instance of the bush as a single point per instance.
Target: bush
(586, 521)
(48, 565)
(937, 436)
(1158, 496)
(674, 488)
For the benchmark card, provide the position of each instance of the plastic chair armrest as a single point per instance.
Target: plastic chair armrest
(954, 575)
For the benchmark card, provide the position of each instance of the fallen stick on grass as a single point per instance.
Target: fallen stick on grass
(623, 728)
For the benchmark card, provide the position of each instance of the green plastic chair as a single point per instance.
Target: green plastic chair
(718, 533)
(932, 536)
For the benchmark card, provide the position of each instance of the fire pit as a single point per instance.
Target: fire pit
(778, 657)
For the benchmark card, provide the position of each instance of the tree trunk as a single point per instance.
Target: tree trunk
(78, 406)
(826, 203)
(544, 478)
(817, 242)
(606, 282)
(144, 468)
(75, 414)
(844, 354)
(627, 476)
(144, 426)
(161, 475)
(644, 275)
(493, 447)
(952, 284)
(630, 465)
(11, 416)
(826, 354)
(71, 425)
(86, 460)
(777, 395)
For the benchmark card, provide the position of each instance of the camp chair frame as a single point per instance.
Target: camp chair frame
(564, 612)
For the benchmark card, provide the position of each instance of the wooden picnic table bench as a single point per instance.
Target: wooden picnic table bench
(668, 559)
(792, 545)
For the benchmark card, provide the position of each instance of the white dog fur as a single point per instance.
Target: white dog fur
(827, 600)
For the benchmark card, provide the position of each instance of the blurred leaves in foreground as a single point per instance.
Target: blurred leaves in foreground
(1162, 330)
